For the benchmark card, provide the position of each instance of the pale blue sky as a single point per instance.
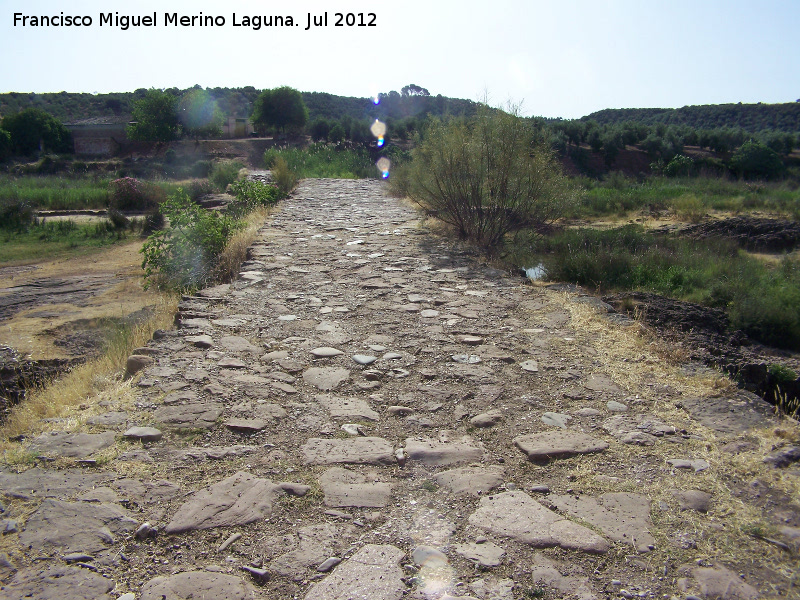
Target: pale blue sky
(562, 59)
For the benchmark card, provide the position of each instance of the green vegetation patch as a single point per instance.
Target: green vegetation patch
(325, 161)
(618, 195)
(762, 300)
(56, 193)
(55, 239)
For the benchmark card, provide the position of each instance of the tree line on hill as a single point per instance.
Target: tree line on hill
(165, 115)
(749, 117)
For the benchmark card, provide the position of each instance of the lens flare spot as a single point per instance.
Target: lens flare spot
(376, 100)
(378, 129)
(383, 165)
(381, 141)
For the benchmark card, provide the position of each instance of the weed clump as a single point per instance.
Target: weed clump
(224, 173)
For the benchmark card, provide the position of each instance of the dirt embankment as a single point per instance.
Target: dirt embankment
(58, 313)
(757, 234)
(704, 334)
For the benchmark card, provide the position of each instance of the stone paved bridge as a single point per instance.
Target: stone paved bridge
(372, 412)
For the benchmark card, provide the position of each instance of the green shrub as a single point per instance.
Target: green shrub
(32, 128)
(487, 176)
(198, 188)
(679, 166)
(251, 194)
(117, 219)
(128, 193)
(185, 256)
(5, 144)
(754, 160)
(224, 173)
(283, 176)
(16, 215)
(202, 168)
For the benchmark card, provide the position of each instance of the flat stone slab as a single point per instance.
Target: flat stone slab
(326, 352)
(732, 415)
(555, 419)
(470, 480)
(144, 434)
(72, 445)
(435, 453)
(246, 425)
(698, 464)
(557, 444)
(200, 341)
(326, 378)
(214, 452)
(343, 487)
(59, 582)
(364, 359)
(75, 526)
(347, 408)
(216, 291)
(715, 582)
(232, 363)
(602, 383)
(547, 571)
(235, 343)
(372, 572)
(39, 483)
(240, 499)
(693, 500)
(316, 544)
(147, 492)
(109, 419)
(642, 430)
(486, 554)
(198, 584)
(362, 450)
(622, 516)
(518, 516)
(191, 415)
(487, 419)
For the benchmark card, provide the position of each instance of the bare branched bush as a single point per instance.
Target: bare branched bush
(487, 176)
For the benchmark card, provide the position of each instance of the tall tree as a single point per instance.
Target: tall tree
(32, 129)
(154, 117)
(279, 109)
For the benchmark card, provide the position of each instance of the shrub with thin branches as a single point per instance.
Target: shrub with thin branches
(487, 176)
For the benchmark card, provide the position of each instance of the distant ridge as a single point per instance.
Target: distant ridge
(750, 117)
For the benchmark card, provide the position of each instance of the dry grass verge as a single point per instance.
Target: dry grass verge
(235, 252)
(85, 385)
(731, 530)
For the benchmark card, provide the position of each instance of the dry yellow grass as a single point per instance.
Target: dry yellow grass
(87, 383)
(235, 252)
(730, 531)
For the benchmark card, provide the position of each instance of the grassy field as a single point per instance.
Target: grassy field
(51, 192)
(325, 160)
(688, 199)
(59, 239)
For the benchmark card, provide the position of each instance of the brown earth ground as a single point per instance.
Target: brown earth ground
(54, 300)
